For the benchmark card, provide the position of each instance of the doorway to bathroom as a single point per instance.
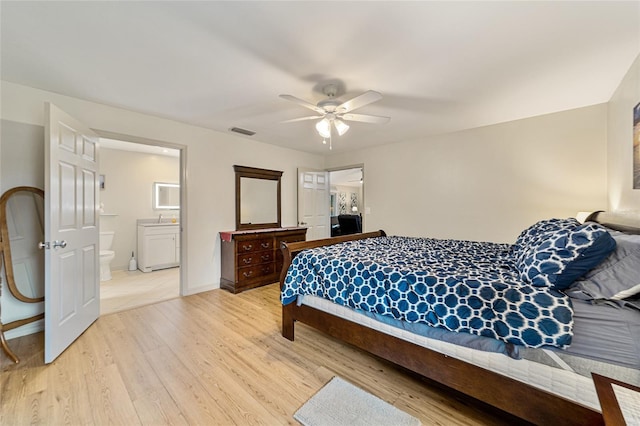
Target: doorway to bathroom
(141, 189)
(346, 203)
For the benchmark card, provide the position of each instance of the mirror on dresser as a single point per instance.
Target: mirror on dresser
(257, 198)
(250, 256)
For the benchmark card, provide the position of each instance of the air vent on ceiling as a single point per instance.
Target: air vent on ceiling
(243, 131)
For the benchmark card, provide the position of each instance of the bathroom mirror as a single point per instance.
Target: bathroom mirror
(257, 198)
(21, 229)
(166, 196)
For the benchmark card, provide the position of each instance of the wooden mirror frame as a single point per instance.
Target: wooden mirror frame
(255, 173)
(5, 252)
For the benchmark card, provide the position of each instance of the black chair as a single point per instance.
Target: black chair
(335, 226)
(350, 224)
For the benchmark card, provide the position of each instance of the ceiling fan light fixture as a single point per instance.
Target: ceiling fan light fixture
(341, 127)
(333, 112)
(324, 128)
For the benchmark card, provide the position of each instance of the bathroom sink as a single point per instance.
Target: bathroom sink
(154, 222)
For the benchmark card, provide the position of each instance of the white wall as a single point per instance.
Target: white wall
(128, 194)
(22, 160)
(210, 156)
(21, 164)
(622, 196)
(487, 183)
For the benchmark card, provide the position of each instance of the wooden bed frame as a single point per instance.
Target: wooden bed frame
(512, 396)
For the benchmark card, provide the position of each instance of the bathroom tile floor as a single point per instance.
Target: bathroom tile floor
(130, 289)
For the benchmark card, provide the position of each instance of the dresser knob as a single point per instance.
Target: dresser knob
(247, 247)
(247, 260)
(247, 274)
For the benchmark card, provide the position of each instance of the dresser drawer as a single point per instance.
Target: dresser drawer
(254, 245)
(250, 272)
(251, 259)
(254, 258)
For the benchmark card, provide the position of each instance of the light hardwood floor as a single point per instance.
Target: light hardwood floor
(131, 289)
(209, 359)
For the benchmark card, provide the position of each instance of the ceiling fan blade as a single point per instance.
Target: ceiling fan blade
(303, 103)
(366, 98)
(364, 118)
(311, 117)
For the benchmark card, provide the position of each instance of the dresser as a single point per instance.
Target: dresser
(252, 258)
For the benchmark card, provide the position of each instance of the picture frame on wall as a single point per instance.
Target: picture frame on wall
(636, 146)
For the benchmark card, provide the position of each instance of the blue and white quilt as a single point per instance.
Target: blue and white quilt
(462, 286)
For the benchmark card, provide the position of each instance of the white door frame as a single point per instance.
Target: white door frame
(183, 191)
(355, 166)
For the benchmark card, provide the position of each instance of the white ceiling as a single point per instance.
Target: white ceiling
(346, 177)
(440, 66)
(138, 147)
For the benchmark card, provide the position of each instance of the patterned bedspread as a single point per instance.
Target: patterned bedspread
(463, 286)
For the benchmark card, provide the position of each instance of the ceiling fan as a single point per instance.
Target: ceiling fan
(333, 112)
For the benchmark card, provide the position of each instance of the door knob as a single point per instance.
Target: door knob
(60, 244)
(56, 244)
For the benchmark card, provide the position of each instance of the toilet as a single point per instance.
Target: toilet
(106, 255)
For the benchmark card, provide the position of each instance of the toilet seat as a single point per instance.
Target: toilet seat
(104, 253)
(106, 256)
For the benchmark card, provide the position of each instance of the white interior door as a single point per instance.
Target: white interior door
(313, 203)
(72, 298)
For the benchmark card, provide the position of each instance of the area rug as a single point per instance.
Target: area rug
(341, 403)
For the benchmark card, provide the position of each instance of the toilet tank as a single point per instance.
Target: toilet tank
(106, 240)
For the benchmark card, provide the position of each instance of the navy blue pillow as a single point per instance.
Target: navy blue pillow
(588, 259)
(617, 277)
(558, 257)
(532, 235)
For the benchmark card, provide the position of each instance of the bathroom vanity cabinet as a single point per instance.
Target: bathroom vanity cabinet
(253, 258)
(158, 246)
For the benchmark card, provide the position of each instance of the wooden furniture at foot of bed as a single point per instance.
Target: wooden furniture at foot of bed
(611, 410)
(512, 396)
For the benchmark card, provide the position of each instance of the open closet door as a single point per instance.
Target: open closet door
(313, 203)
(72, 254)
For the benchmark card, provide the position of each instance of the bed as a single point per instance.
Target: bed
(543, 375)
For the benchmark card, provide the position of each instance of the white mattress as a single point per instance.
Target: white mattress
(567, 384)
